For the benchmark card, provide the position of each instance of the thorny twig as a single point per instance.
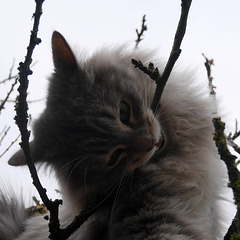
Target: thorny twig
(140, 34)
(175, 53)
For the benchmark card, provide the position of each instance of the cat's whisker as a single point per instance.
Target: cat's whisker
(123, 181)
(131, 175)
(115, 185)
(85, 179)
(69, 163)
(75, 167)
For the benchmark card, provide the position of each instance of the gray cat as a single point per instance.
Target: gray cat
(160, 173)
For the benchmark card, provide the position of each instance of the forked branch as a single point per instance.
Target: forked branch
(175, 53)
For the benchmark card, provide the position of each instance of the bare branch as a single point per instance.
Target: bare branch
(22, 119)
(22, 106)
(208, 64)
(140, 34)
(175, 53)
(152, 72)
(92, 207)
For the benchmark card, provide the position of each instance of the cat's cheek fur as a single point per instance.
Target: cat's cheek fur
(153, 125)
(140, 159)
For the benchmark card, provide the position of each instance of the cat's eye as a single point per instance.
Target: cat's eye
(125, 112)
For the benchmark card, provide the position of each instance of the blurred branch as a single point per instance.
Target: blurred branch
(29, 101)
(237, 132)
(3, 102)
(230, 138)
(4, 133)
(10, 145)
(233, 145)
(174, 55)
(140, 34)
(10, 76)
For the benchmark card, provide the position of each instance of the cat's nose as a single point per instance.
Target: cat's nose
(142, 143)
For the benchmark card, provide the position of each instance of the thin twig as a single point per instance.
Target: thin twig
(29, 101)
(8, 79)
(10, 73)
(233, 145)
(140, 34)
(236, 133)
(4, 133)
(208, 64)
(8, 94)
(10, 145)
(175, 53)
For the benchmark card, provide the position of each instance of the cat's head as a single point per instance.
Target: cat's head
(97, 124)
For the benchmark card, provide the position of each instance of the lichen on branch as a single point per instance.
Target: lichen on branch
(233, 174)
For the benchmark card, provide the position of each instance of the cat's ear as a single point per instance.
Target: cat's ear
(63, 57)
(18, 159)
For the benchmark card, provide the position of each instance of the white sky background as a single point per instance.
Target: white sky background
(213, 29)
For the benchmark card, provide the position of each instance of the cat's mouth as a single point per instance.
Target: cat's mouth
(160, 144)
(115, 157)
(122, 152)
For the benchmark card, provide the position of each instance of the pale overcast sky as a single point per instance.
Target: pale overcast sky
(213, 29)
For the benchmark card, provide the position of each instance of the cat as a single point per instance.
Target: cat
(160, 172)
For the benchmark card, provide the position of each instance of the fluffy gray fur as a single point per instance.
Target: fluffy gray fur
(100, 136)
